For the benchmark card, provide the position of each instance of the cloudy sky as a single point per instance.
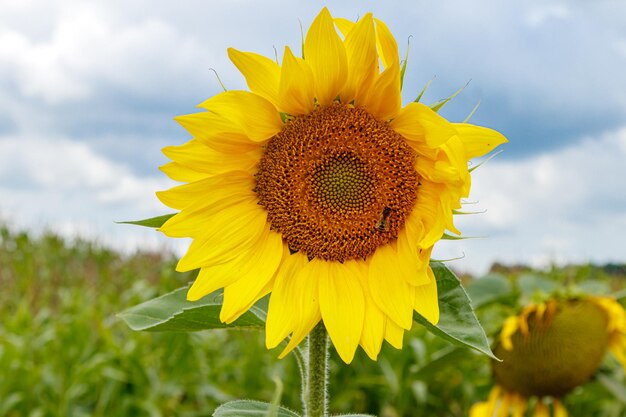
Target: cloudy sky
(88, 90)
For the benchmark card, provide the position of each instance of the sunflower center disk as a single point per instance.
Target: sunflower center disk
(337, 183)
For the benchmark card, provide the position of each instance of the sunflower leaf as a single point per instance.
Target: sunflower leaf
(457, 322)
(172, 312)
(249, 408)
(155, 222)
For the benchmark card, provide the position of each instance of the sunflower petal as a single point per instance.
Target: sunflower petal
(296, 92)
(373, 323)
(394, 334)
(306, 295)
(387, 45)
(385, 98)
(216, 132)
(360, 46)
(283, 304)
(478, 140)
(389, 289)
(226, 234)
(342, 306)
(261, 73)
(426, 301)
(253, 281)
(206, 192)
(248, 112)
(417, 122)
(344, 25)
(199, 157)
(325, 53)
(257, 264)
(181, 173)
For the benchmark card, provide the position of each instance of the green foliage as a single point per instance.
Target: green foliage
(172, 312)
(64, 352)
(458, 323)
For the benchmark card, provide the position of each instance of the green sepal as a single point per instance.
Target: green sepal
(421, 94)
(438, 105)
(248, 408)
(457, 322)
(172, 312)
(471, 169)
(464, 213)
(406, 60)
(447, 236)
(469, 116)
(154, 222)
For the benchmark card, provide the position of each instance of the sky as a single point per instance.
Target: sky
(89, 89)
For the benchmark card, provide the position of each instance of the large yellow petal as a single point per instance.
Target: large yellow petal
(426, 301)
(418, 122)
(478, 140)
(344, 25)
(389, 288)
(409, 263)
(244, 292)
(393, 334)
(225, 236)
(258, 263)
(559, 410)
(182, 173)
(200, 157)
(373, 322)
(342, 306)
(261, 73)
(385, 98)
(248, 112)
(206, 192)
(306, 296)
(325, 53)
(387, 45)
(296, 92)
(283, 304)
(217, 132)
(360, 46)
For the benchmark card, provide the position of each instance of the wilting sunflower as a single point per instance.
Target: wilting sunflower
(550, 349)
(319, 187)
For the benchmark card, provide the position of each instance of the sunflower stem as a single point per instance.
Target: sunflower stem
(314, 395)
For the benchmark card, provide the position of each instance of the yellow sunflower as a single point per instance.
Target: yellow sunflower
(550, 349)
(319, 187)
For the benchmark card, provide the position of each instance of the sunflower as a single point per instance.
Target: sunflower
(319, 187)
(550, 349)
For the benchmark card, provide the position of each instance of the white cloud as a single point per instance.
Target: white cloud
(87, 49)
(564, 206)
(64, 186)
(541, 14)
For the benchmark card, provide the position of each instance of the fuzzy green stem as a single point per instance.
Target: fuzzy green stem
(315, 399)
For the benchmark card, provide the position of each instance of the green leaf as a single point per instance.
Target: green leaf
(457, 322)
(247, 408)
(530, 285)
(488, 289)
(355, 415)
(151, 222)
(172, 312)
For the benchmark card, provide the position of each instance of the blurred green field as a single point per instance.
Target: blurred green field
(63, 351)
